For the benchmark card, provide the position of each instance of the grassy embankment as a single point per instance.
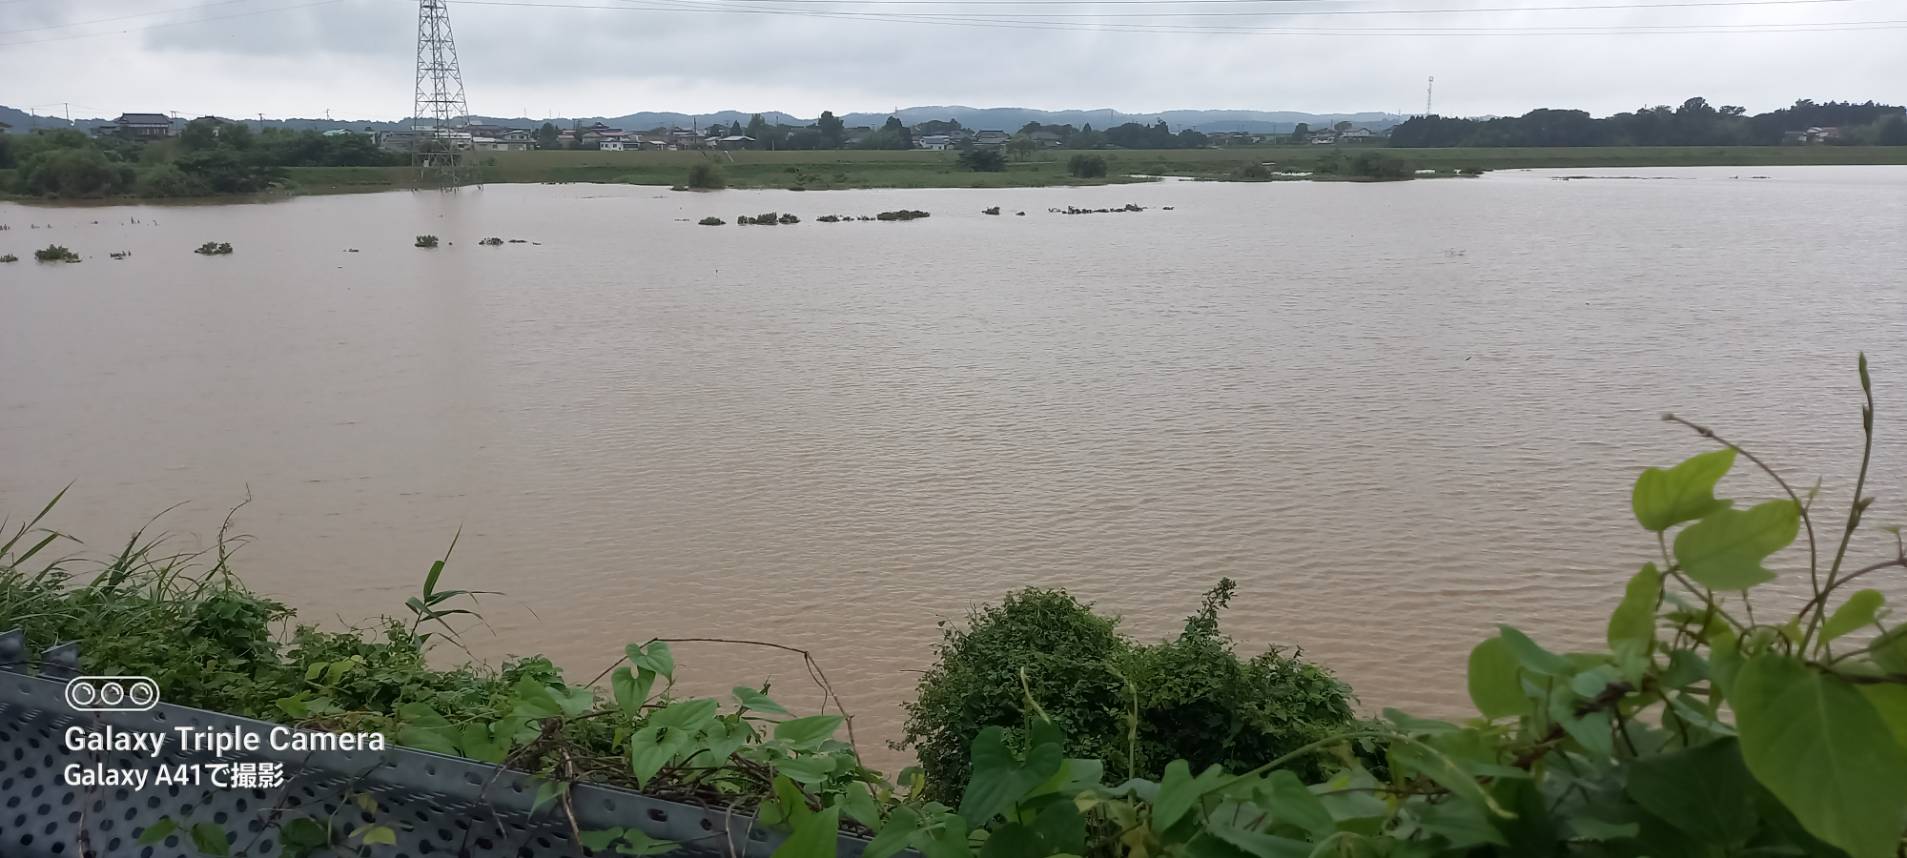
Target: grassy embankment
(836, 169)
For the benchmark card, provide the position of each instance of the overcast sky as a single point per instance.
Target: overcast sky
(523, 57)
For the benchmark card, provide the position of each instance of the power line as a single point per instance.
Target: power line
(1278, 13)
(119, 17)
(1077, 26)
(121, 32)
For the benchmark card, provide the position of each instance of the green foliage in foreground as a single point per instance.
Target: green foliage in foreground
(1704, 727)
(1134, 706)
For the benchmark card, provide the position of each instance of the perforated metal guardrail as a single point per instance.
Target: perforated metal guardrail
(434, 805)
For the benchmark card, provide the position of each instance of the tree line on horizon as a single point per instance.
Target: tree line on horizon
(1694, 123)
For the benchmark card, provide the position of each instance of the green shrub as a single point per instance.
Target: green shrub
(704, 176)
(1086, 166)
(1193, 697)
(711, 221)
(55, 253)
(1252, 172)
(165, 180)
(982, 159)
(426, 241)
(214, 248)
(9, 258)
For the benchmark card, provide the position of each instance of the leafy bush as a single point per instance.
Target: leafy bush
(166, 180)
(1251, 172)
(55, 253)
(990, 210)
(214, 248)
(711, 221)
(900, 214)
(1086, 166)
(704, 176)
(492, 241)
(74, 172)
(9, 258)
(426, 241)
(1191, 696)
(789, 218)
(982, 159)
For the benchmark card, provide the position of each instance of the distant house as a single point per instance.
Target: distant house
(1049, 139)
(1824, 135)
(684, 138)
(1357, 135)
(137, 126)
(507, 143)
(935, 142)
(991, 138)
(735, 141)
(1324, 137)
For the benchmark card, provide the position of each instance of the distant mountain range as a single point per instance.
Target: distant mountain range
(978, 118)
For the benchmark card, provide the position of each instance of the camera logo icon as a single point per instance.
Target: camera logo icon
(112, 693)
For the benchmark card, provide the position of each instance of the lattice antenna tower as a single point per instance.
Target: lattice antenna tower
(440, 113)
(1430, 86)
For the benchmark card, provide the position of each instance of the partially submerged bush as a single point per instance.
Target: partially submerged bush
(9, 258)
(990, 210)
(704, 176)
(492, 241)
(1193, 698)
(214, 248)
(828, 219)
(711, 221)
(426, 241)
(764, 219)
(789, 218)
(901, 214)
(55, 253)
(1251, 172)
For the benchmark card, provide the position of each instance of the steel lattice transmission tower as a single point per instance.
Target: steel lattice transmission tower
(440, 113)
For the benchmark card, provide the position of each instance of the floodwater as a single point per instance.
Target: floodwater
(1395, 414)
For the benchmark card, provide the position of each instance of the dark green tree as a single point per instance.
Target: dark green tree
(832, 131)
(547, 136)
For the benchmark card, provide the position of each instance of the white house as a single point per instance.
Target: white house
(936, 142)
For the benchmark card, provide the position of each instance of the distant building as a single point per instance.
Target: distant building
(735, 141)
(1357, 135)
(991, 138)
(1824, 135)
(138, 126)
(1049, 139)
(935, 142)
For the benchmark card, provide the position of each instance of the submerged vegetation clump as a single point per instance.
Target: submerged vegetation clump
(789, 218)
(990, 210)
(828, 218)
(1074, 210)
(763, 219)
(901, 214)
(705, 176)
(711, 221)
(55, 253)
(214, 248)
(426, 241)
(492, 241)
(1253, 171)
(1086, 166)
(9, 258)
(1698, 725)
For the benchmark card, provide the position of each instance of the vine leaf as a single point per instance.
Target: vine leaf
(1632, 626)
(1179, 792)
(425, 729)
(1494, 686)
(759, 701)
(1724, 551)
(1891, 702)
(1859, 610)
(901, 825)
(157, 831)
(656, 658)
(1291, 803)
(813, 837)
(1823, 750)
(209, 839)
(1704, 791)
(998, 780)
(808, 732)
(1532, 656)
(1686, 492)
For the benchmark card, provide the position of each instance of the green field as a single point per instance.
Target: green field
(836, 169)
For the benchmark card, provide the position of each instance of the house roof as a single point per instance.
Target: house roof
(144, 119)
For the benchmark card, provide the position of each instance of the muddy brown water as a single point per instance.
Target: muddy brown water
(1396, 414)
